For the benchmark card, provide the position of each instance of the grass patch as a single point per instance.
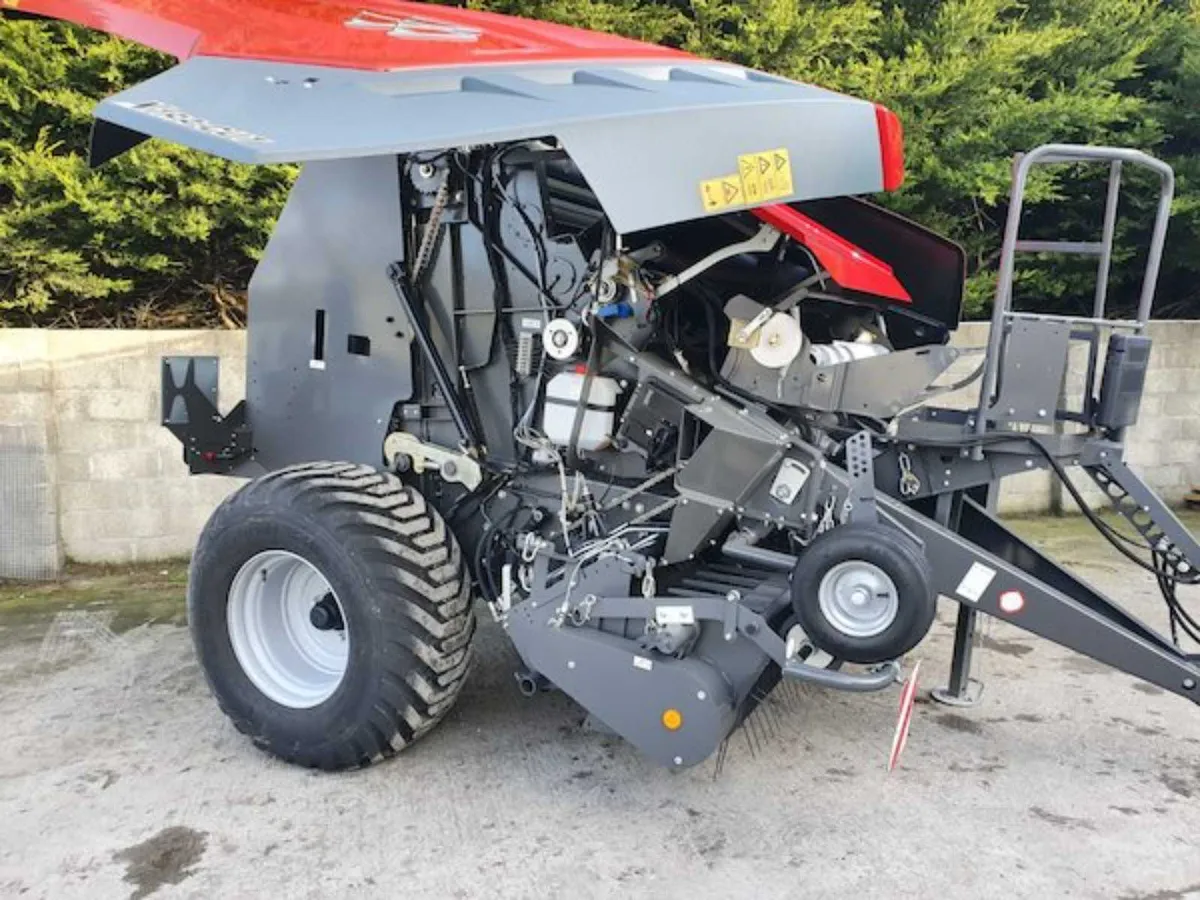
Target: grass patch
(135, 594)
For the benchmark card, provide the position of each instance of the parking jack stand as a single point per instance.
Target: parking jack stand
(962, 690)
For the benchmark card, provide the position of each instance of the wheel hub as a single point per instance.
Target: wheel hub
(287, 628)
(326, 615)
(858, 598)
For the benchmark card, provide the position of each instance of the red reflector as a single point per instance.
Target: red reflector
(891, 147)
(1012, 602)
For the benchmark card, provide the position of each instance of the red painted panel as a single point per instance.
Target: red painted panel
(850, 266)
(891, 147)
(353, 34)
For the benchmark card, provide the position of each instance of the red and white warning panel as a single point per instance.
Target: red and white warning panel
(908, 697)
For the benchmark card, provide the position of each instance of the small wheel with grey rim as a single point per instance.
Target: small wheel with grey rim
(863, 593)
(330, 609)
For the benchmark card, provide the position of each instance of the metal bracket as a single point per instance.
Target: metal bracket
(856, 683)
(860, 465)
(449, 464)
(763, 241)
(212, 443)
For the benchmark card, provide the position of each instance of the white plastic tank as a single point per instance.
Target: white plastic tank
(563, 393)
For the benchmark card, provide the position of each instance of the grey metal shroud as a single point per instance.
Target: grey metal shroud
(644, 135)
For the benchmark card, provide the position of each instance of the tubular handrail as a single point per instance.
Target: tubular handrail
(1073, 153)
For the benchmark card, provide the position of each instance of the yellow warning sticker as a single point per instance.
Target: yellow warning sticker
(759, 177)
(721, 193)
(775, 173)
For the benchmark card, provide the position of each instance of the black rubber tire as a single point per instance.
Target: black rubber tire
(404, 590)
(891, 550)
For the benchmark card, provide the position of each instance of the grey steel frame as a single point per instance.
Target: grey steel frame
(957, 691)
(1002, 313)
(957, 537)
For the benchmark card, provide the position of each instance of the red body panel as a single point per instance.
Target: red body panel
(848, 265)
(350, 34)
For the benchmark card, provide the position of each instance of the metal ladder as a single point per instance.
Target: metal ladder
(1028, 396)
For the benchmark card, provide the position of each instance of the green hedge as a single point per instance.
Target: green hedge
(165, 236)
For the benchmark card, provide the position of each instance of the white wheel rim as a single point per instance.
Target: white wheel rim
(858, 598)
(288, 658)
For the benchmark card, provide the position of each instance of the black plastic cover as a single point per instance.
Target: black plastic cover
(1123, 381)
(932, 268)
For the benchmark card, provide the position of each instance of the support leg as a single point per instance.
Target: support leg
(962, 689)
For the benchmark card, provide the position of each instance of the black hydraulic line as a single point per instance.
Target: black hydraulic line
(403, 288)
(493, 244)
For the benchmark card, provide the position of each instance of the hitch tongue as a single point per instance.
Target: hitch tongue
(858, 683)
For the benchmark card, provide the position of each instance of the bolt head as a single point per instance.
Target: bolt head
(570, 663)
(700, 695)
(1189, 684)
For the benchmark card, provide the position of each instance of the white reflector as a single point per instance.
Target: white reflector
(1012, 602)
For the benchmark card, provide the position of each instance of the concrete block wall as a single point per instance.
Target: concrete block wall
(114, 486)
(87, 473)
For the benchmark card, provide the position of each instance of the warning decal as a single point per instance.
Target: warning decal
(720, 193)
(975, 582)
(760, 177)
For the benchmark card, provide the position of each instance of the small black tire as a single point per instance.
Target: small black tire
(404, 594)
(888, 549)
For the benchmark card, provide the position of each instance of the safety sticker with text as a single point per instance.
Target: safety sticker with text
(975, 582)
(759, 177)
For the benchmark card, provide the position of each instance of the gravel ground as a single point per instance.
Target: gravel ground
(119, 778)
